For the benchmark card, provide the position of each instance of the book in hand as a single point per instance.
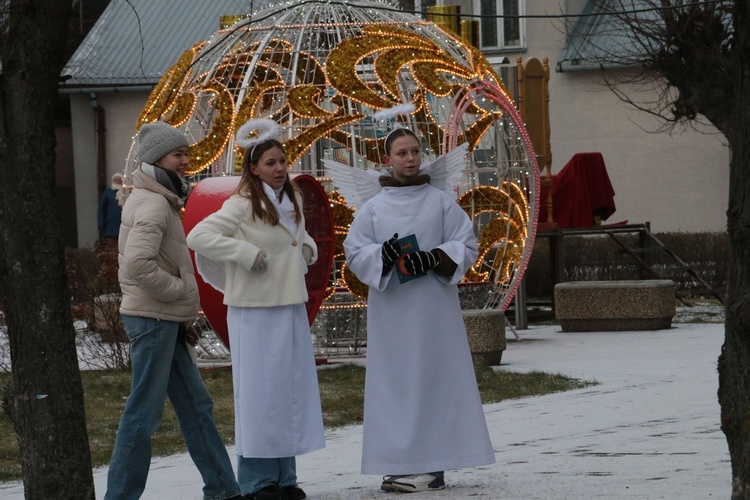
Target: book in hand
(408, 245)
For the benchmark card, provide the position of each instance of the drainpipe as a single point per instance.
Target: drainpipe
(101, 152)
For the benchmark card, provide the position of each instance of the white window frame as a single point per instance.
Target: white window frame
(502, 43)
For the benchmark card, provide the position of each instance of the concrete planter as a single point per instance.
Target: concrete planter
(589, 306)
(485, 329)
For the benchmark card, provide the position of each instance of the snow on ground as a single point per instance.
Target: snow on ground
(648, 430)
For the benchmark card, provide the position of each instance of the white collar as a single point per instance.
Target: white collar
(273, 194)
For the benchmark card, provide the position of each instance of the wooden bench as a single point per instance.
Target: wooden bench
(588, 306)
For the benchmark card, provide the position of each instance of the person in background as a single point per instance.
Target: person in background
(159, 302)
(423, 413)
(259, 242)
(109, 214)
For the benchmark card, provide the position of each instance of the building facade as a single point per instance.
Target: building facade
(677, 181)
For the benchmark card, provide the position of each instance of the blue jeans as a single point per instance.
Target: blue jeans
(256, 473)
(162, 367)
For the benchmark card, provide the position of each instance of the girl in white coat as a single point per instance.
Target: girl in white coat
(423, 413)
(260, 235)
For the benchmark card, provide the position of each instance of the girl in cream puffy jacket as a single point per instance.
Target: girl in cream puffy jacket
(156, 274)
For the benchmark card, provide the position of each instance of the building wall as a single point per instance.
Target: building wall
(65, 182)
(677, 181)
(121, 111)
(84, 156)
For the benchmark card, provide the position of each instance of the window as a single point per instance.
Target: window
(423, 4)
(501, 29)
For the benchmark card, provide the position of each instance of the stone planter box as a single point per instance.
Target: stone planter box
(588, 306)
(485, 329)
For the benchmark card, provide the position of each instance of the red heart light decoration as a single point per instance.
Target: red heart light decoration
(209, 195)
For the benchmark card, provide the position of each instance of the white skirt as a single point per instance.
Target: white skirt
(277, 410)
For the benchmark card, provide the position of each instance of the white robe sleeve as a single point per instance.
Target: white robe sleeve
(363, 251)
(460, 243)
(213, 272)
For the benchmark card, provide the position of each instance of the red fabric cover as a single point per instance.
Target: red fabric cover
(579, 192)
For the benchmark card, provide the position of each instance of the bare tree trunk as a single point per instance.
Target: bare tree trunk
(45, 399)
(734, 368)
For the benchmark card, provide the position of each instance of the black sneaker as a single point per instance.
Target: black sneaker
(294, 492)
(272, 492)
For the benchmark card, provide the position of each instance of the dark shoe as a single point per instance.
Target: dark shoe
(294, 492)
(272, 492)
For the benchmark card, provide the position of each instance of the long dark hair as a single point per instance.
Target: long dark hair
(251, 187)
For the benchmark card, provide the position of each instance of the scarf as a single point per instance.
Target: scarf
(168, 179)
(390, 181)
(117, 188)
(283, 206)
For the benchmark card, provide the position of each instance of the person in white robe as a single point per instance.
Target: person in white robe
(423, 413)
(259, 233)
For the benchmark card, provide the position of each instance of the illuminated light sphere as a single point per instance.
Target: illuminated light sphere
(321, 70)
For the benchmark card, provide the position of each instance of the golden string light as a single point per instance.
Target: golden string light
(297, 146)
(343, 215)
(169, 87)
(183, 109)
(303, 101)
(508, 227)
(252, 99)
(391, 48)
(352, 283)
(325, 92)
(206, 150)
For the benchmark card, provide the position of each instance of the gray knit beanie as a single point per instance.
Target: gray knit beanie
(158, 139)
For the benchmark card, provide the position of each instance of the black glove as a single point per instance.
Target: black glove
(189, 334)
(421, 262)
(390, 252)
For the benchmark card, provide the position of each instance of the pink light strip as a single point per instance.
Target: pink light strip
(496, 94)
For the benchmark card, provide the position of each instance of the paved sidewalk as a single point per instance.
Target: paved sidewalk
(648, 430)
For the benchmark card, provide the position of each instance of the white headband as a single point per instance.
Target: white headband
(396, 127)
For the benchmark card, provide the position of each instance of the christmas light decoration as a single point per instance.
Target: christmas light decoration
(321, 70)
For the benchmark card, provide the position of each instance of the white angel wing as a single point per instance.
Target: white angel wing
(446, 171)
(354, 184)
(213, 272)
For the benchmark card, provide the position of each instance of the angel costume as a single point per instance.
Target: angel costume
(423, 411)
(277, 401)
